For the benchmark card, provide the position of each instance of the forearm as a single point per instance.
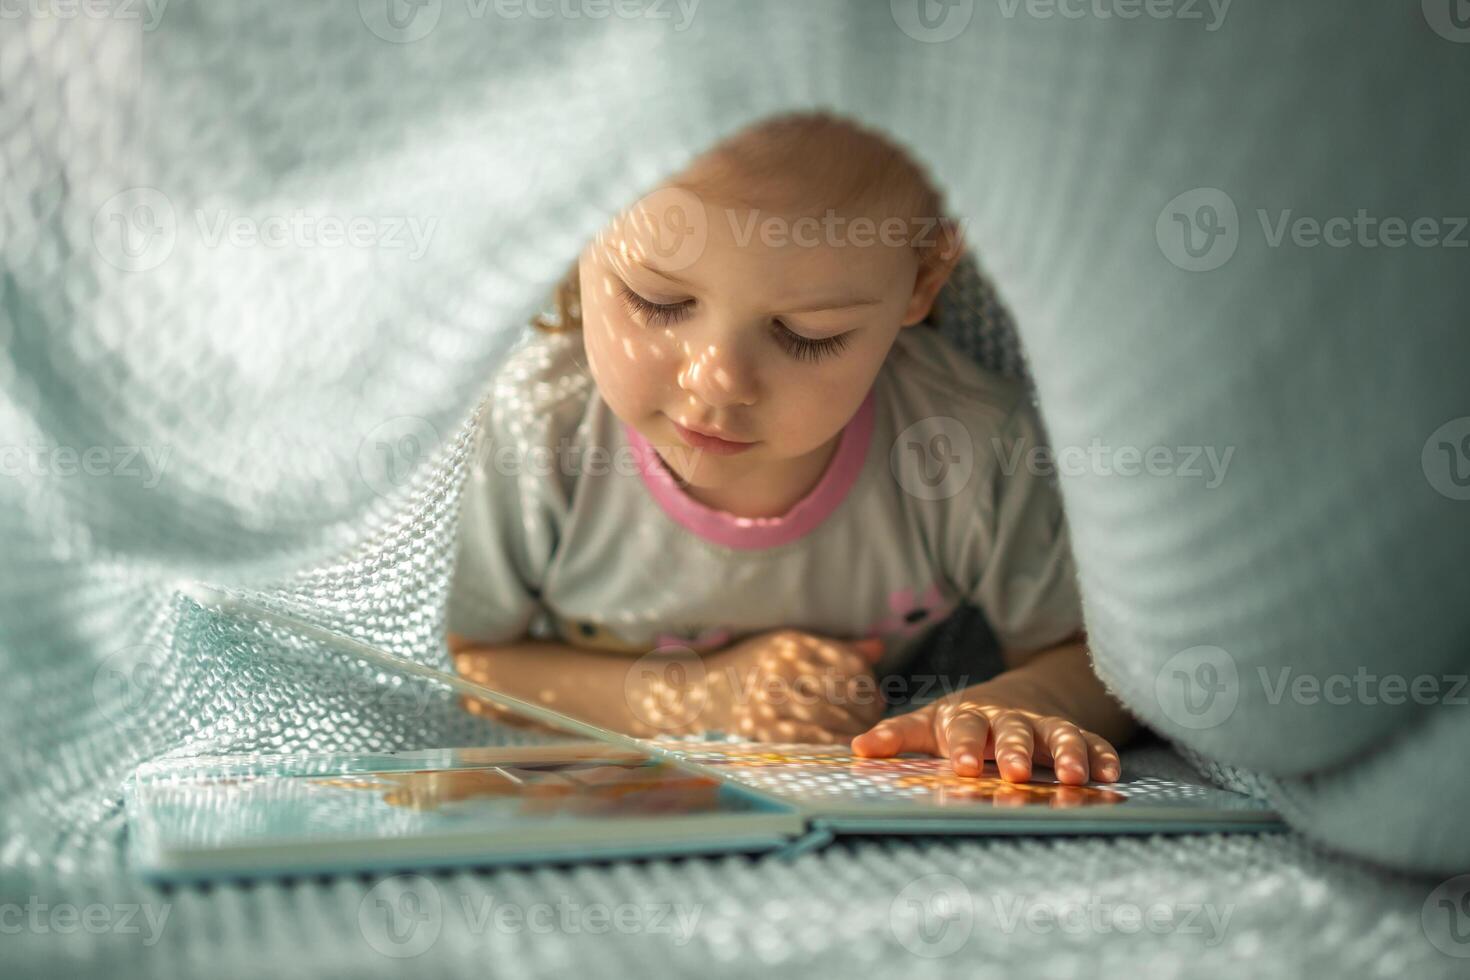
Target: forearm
(1060, 681)
(589, 685)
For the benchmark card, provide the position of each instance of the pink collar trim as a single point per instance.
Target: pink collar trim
(750, 533)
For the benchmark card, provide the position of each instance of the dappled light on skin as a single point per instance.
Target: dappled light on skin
(692, 320)
(974, 727)
(778, 686)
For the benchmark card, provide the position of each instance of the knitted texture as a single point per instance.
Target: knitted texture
(257, 265)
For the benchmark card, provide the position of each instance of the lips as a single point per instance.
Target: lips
(710, 443)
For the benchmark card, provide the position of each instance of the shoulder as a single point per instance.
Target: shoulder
(534, 412)
(543, 382)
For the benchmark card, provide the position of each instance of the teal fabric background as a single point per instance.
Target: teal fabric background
(303, 405)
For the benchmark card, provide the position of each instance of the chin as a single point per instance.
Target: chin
(707, 472)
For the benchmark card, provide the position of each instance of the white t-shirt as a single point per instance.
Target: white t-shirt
(572, 527)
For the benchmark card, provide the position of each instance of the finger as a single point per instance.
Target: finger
(913, 732)
(1015, 745)
(962, 738)
(1065, 746)
(1102, 758)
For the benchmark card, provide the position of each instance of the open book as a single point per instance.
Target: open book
(596, 795)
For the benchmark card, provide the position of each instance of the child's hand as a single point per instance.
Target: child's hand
(784, 685)
(991, 721)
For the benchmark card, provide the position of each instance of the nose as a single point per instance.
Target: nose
(718, 375)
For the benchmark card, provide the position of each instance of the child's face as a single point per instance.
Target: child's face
(771, 339)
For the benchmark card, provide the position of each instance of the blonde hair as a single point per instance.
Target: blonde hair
(858, 167)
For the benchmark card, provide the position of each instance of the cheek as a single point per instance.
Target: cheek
(627, 361)
(820, 401)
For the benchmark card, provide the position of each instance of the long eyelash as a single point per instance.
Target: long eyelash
(799, 347)
(657, 314)
(804, 349)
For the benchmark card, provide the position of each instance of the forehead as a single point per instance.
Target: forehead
(759, 255)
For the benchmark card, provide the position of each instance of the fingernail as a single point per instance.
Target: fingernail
(968, 760)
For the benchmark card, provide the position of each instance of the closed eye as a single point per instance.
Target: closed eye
(806, 349)
(794, 344)
(655, 314)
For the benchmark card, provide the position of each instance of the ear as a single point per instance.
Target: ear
(934, 272)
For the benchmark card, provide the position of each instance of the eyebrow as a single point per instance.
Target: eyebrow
(818, 306)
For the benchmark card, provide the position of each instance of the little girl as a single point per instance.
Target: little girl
(739, 475)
